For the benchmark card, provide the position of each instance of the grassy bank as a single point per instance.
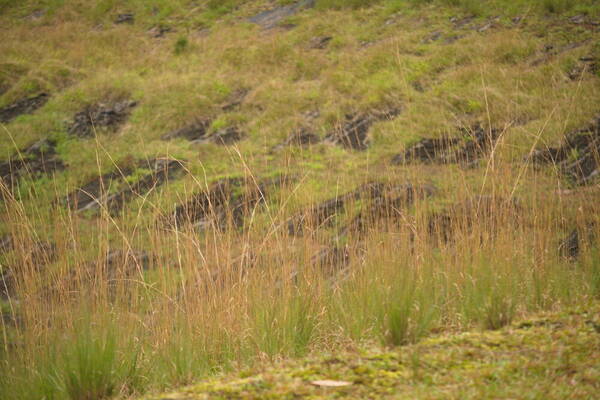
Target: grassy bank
(549, 356)
(262, 232)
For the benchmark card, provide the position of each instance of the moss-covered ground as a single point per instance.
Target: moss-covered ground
(548, 356)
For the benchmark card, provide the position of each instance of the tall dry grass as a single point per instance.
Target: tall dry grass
(481, 251)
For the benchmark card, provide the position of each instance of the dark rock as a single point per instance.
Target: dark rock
(570, 246)
(487, 213)
(93, 194)
(126, 18)
(317, 216)
(586, 64)
(300, 137)
(32, 258)
(106, 116)
(113, 190)
(192, 132)
(332, 260)
(123, 260)
(472, 144)
(485, 27)
(226, 136)
(578, 158)
(388, 204)
(353, 133)
(4, 86)
(577, 19)
(551, 51)
(433, 37)
(202, 206)
(453, 38)
(162, 170)
(228, 200)
(320, 42)
(323, 214)
(159, 31)
(425, 150)
(461, 22)
(24, 106)
(33, 161)
(271, 18)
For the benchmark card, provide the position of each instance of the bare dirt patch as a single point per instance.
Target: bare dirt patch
(24, 106)
(109, 117)
(487, 213)
(353, 133)
(272, 18)
(115, 189)
(471, 145)
(33, 161)
(578, 158)
(226, 202)
(193, 132)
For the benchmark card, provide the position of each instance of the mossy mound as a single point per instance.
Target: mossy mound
(551, 356)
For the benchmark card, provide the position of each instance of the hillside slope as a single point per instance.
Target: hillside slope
(191, 188)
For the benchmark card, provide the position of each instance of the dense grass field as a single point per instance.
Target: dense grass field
(201, 188)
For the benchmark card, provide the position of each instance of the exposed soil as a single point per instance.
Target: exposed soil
(157, 32)
(34, 160)
(472, 144)
(118, 263)
(193, 132)
(114, 189)
(24, 106)
(320, 42)
(225, 136)
(589, 65)
(584, 21)
(388, 205)
(228, 200)
(324, 214)
(88, 196)
(126, 18)
(302, 137)
(118, 270)
(578, 158)
(105, 116)
(570, 246)
(37, 256)
(271, 18)
(331, 260)
(353, 133)
(197, 131)
(485, 212)
(162, 170)
(550, 51)
(462, 24)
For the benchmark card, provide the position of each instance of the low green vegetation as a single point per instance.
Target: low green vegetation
(551, 356)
